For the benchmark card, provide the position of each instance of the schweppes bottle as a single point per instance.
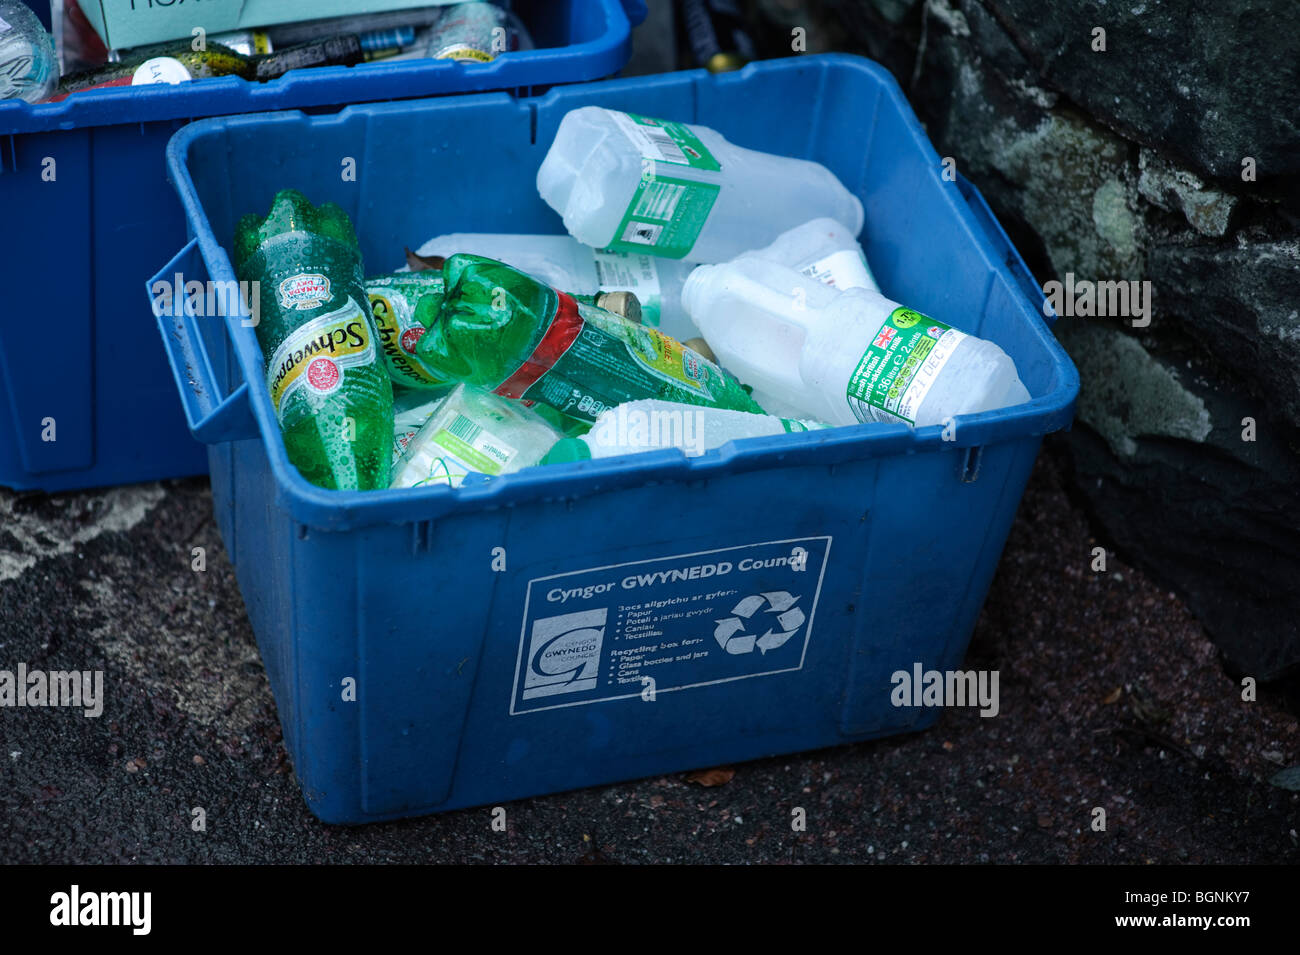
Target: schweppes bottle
(503, 330)
(324, 369)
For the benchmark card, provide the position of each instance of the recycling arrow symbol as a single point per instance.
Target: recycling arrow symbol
(731, 632)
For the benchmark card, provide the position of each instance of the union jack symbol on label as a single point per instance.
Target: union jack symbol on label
(884, 338)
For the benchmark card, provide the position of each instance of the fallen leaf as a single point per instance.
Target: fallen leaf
(711, 777)
(424, 263)
(1114, 696)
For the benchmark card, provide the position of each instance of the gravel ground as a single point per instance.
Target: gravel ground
(1111, 696)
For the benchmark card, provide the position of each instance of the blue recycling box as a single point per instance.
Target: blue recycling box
(583, 623)
(88, 215)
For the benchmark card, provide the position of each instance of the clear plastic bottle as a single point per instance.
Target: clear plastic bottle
(473, 431)
(822, 248)
(637, 184)
(844, 357)
(29, 68)
(653, 425)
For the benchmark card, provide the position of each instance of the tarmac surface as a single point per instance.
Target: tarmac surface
(1111, 697)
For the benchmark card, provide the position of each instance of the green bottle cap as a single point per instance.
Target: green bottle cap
(566, 450)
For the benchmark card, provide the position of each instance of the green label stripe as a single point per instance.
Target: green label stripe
(878, 390)
(469, 456)
(665, 216)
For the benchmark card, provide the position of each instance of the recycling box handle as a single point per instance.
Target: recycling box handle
(636, 11)
(998, 237)
(213, 417)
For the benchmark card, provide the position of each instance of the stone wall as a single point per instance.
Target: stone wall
(1165, 150)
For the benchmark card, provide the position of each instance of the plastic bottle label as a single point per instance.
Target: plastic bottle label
(795, 426)
(474, 446)
(900, 366)
(161, 69)
(843, 269)
(462, 447)
(664, 141)
(666, 213)
(317, 355)
(630, 272)
(588, 362)
(399, 333)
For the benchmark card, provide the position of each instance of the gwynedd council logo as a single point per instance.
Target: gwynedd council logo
(304, 291)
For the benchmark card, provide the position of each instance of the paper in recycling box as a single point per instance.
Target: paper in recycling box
(127, 23)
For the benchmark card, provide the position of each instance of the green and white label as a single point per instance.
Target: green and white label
(612, 361)
(455, 451)
(667, 212)
(900, 366)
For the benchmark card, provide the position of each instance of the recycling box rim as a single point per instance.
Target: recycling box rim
(332, 85)
(344, 510)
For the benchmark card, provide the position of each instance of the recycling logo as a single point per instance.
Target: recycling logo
(739, 633)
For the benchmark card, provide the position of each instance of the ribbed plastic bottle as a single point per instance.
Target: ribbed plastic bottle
(844, 357)
(638, 184)
(331, 393)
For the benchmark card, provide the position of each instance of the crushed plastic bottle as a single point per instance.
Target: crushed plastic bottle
(636, 184)
(29, 68)
(473, 431)
(395, 301)
(505, 331)
(565, 263)
(844, 357)
(654, 425)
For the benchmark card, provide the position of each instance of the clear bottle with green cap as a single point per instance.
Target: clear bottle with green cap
(330, 391)
(506, 332)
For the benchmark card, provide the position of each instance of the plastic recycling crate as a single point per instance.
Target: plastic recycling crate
(411, 637)
(88, 215)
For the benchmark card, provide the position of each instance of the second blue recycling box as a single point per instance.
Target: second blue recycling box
(85, 397)
(584, 623)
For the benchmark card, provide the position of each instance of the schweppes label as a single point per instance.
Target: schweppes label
(399, 334)
(317, 355)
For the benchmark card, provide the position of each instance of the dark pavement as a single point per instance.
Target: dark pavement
(1111, 696)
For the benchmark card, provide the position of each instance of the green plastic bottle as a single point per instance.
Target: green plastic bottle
(331, 394)
(507, 332)
(395, 304)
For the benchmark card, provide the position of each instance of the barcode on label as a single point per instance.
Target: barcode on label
(659, 201)
(669, 151)
(465, 429)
